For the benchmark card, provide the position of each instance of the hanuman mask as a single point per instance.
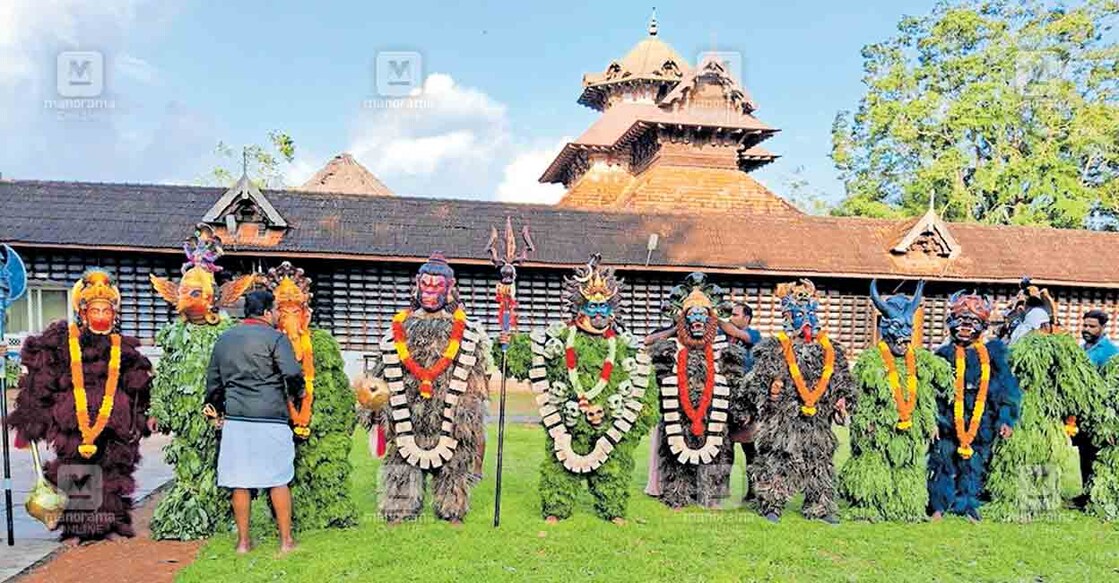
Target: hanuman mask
(968, 316)
(895, 324)
(292, 290)
(435, 289)
(96, 302)
(591, 296)
(691, 306)
(799, 303)
(197, 297)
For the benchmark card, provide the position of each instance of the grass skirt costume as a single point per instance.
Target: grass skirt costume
(956, 482)
(1103, 490)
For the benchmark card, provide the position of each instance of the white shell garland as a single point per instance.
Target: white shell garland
(556, 414)
(675, 421)
(401, 414)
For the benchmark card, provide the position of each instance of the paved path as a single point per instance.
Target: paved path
(33, 541)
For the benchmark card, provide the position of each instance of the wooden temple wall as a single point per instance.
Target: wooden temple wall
(356, 299)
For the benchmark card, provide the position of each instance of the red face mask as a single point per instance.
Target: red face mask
(99, 317)
(434, 290)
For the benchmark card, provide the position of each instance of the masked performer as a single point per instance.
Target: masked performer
(799, 384)
(700, 379)
(1059, 387)
(592, 384)
(983, 406)
(86, 393)
(886, 476)
(325, 419)
(433, 360)
(194, 507)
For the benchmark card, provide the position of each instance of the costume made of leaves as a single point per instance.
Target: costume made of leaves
(1057, 380)
(886, 476)
(609, 485)
(1103, 491)
(194, 507)
(955, 483)
(795, 451)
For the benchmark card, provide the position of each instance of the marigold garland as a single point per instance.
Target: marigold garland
(695, 414)
(90, 432)
(809, 398)
(428, 375)
(301, 418)
(906, 402)
(965, 434)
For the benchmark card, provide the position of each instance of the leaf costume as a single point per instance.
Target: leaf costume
(53, 392)
(595, 408)
(1057, 381)
(795, 441)
(1103, 491)
(885, 477)
(695, 453)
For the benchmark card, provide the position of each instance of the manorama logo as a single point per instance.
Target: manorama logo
(398, 79)
(80, 84)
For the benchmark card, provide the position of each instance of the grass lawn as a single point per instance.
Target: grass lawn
(656, 544)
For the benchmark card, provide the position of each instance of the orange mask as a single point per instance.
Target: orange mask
(293, 310)
(196, 297)
(96, 301)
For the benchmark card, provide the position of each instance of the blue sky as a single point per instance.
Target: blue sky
(504, 77)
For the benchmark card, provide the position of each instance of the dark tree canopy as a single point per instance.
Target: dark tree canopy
(1005, 111)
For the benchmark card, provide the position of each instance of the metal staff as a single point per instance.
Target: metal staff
(507, 319)
(13, 282)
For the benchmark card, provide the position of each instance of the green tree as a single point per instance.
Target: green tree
(799, 191)
(1005, 111)
(266, 163)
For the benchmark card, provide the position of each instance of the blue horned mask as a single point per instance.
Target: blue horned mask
(895, 326)
(798, 307)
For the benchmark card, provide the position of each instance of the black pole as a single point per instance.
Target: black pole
(500, 440)
(4, 438)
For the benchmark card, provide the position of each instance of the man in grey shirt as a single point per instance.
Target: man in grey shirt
(252, 376)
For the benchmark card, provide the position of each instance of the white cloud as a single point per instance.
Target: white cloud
(521, 177)
(135, 68)
(448, 141)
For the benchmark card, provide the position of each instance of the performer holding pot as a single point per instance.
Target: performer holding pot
(86, 394)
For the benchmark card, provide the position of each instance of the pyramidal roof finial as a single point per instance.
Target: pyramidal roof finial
(653, 23)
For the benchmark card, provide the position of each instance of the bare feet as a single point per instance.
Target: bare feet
(243, 547)
(455, 523)
(71, 541)
(619, 521)
(113, 537)
(937, 516)
(552, 519)
(287, 546)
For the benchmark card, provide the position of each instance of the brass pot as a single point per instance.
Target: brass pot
(46, 502)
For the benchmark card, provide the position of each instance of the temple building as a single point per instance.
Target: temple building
(674, 143)
(672, 137)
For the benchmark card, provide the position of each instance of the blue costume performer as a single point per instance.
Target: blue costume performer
(983, 407)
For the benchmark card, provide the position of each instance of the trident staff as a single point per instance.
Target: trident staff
(13, 282)
(507, 319)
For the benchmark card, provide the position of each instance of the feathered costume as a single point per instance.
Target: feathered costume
(958, 462)
(434, 363)
(324, 423)
(898, 382)
(194, 507)
(796, 388)
(596, 398)
(48, 402)
(696, 454)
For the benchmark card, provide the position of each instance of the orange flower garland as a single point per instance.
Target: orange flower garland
(906, 402)
(428, 375)
(301, 418)
(695, 413)
(90, 432)
(809, 398)
(965, 434)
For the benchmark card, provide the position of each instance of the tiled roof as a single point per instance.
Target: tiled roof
(345, 174)
(157, 217)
